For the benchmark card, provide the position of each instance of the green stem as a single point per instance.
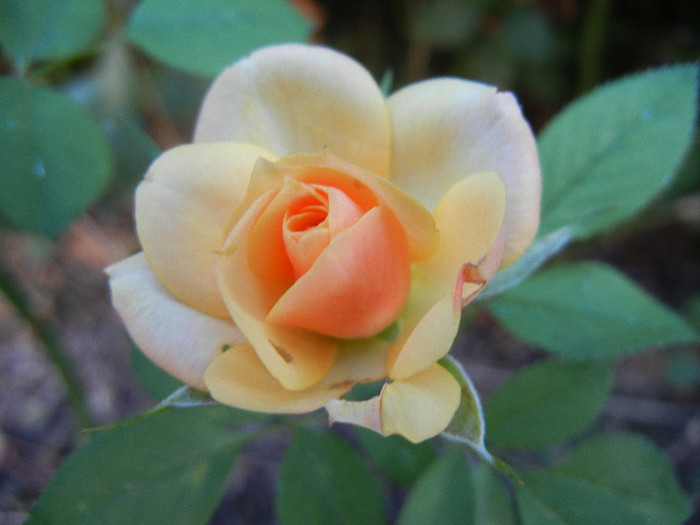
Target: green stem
(48, 337)
(592, 43)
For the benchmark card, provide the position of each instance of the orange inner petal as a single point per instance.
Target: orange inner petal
(357, 286)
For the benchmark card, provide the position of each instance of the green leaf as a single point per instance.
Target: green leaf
(467, 425)
(49, 29)
(587, 310)
(204, 36)
(616, 148)
(323, 480)
(156, 381)
(493, 504)
(170, 468)
(547, 403)
(444, 494)
(402, 461)
(54, 158)
(610, 479)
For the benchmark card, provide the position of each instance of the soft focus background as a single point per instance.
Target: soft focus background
(547, 51)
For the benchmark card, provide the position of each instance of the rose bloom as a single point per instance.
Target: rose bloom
(316, 234)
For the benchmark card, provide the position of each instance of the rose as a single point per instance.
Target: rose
(316, 235)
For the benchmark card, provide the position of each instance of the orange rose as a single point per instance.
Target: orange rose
(316, 235)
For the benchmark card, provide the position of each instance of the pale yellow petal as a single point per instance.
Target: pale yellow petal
(446, 129)
(298, 359)
(427, 338)
(297, 98)
(420, 406)
(182, 207)
(416, 408)
(177, 338)
(238, 378)
(469, 218)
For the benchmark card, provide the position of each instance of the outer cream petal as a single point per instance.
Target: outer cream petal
(446, 129)
(177, 338)
(182, 207)
(296, 98)
(417, 408)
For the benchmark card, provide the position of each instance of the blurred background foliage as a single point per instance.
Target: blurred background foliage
(100, 58)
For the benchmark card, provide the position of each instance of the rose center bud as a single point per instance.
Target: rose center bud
(312, 220)
(350, 261)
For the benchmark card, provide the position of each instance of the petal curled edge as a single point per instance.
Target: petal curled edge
(445, 129)
(238, 378)
(182, 207)
(298, 359)
(299, 98)
(417, 408)
(177, 338)
(469, 218)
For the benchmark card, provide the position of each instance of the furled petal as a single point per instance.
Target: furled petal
(297, 98)
(417, 408)
(177, 338)
(297, 358)
(358, 285)
(469, 219)
(238, 378)
(446, 129)
(182, 207)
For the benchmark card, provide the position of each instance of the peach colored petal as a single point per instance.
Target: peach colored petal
(366, 189)
(297, 98)
(177, 338)
(358, 285)
(418, 408)
(296, 358)
(238, 378)
(182, 207)
(446, 129)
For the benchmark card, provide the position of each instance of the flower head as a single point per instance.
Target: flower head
(316, 234)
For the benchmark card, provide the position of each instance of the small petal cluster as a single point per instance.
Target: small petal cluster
(316, 234)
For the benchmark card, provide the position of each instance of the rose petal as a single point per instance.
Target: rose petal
(297, 98)
(446, 129)
(416, 408)
(469, 218)
(357, 286)
(182, 207)
(428, 337)
(177, 338)
(296, 358)
(238, 378)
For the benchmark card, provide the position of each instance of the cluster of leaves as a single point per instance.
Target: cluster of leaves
(604, 158)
